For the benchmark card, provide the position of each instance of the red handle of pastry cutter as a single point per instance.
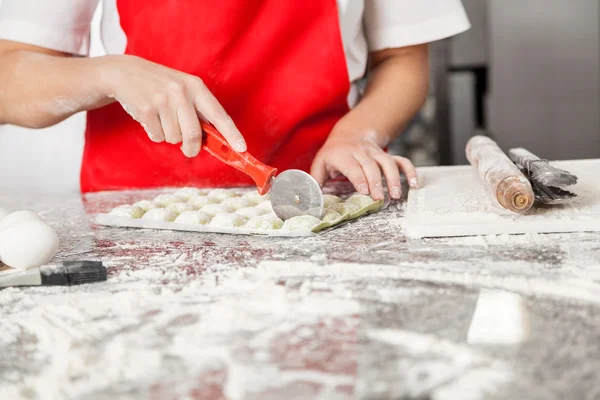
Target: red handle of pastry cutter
(217, 146)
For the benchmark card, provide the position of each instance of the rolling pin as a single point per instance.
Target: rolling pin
(501, 177)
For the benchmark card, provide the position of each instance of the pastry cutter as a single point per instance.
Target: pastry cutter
(68, 273)
(293, 192)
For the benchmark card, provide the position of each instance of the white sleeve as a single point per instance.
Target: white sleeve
(398, 23)
(62, 25)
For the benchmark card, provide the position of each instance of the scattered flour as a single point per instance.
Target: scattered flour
(88, 342)
(429, 366)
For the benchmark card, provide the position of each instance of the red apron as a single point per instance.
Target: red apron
(278, 68)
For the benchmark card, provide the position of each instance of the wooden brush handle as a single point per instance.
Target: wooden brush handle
(501, 177)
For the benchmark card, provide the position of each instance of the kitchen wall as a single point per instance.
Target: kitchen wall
(544, 76)
(531, 69)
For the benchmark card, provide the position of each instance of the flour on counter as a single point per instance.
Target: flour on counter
(188, 315)
(110, 338)
(458, 371)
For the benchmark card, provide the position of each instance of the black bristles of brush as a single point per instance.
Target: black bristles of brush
(72, 273)
(546, 180)
(550, 194)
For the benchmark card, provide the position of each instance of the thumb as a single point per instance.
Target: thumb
(318, 171)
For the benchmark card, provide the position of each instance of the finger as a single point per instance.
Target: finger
(153, 127)
(208, 105)
(409, 170)
(318, 171)
(334, 174)
(373, 174)
(170, 123)
(351, 169)
(190, 129)
(392, 174)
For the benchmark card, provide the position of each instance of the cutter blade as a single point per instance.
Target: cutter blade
(295, 193)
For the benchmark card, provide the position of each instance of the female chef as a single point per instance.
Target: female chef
(277, 78)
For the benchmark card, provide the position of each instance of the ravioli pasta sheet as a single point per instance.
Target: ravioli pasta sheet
(232, 211)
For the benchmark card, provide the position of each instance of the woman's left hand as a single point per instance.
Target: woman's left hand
(360, 158)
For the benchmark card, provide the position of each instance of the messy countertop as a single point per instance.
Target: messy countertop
(357, 312)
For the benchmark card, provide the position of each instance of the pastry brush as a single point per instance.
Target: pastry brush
(69, 273)
(548, 181)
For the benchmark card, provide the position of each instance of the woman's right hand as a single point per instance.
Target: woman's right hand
(167, 103)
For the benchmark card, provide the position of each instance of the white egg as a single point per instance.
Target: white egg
(28, 244)
(19, 216)
(3, 214)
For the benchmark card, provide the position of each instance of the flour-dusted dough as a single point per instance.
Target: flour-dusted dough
(19, 216)
(222, 194)
(193, 217)
(250, 212)
(264, 222)
(237, 203)
(27, 244)
(146, 205)
(127, 210)
(360, 200)
(329, 219)
(329, 200)
(256, 198)
(265, 205)
(3, 214)
(345, 209)
(331, 216)
(165, 200)
(160, 214)
(301, 223)
(214, 209)
(230, 220)
(247, 212)
(197, 202)
(178, 208)
(187, 193)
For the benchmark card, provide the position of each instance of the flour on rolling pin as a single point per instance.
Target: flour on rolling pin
(501, 177)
